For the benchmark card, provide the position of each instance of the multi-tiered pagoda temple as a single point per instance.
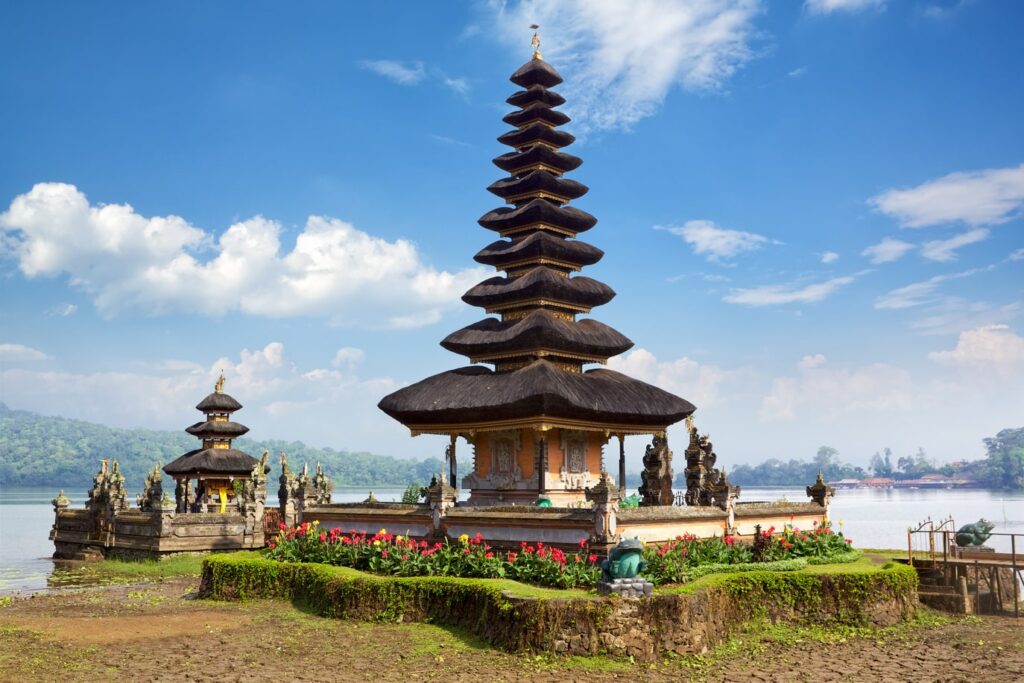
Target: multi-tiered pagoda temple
(215, 465)
(538, 422)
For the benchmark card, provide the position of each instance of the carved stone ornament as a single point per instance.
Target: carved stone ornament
(574, 472)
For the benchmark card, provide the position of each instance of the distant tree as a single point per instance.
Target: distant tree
(1005, 459)
(879, 466)
(411, 495)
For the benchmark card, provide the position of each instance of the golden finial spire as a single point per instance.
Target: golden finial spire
(219, 386)
(536, 42)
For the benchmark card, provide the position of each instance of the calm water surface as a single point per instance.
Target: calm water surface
(872, 518)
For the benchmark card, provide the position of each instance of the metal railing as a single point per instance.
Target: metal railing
(943, 534)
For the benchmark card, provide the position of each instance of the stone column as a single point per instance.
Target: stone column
(605, 496)
(286, 493)
(821, 493)
(441, 496)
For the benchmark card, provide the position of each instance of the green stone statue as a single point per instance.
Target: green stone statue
(625, 560)
(974, 534)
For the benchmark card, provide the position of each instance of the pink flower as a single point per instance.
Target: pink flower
(323, 537)
(384, 554)
(583, 543)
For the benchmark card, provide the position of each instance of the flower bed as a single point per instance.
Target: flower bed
(688, 557)
(469, 557)
(679, 561)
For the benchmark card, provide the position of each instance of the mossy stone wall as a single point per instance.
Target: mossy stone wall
(684, 622)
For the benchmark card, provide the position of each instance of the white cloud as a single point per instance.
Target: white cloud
(953, 314)
(797, 72)
(944, 251)
(63, 310)
(773, 295)
(319, 406)
(887, 250)
(832, 393)
(716, 243)
(811, 362)
(348, 356)
(985, 197)
(1017, 255)
(20, 352)
(403, 73)
(701, 384)
(830, 6)
(829, 257)
(993, 347)
(918, 293)
(128, 262)
(459, 85)
(620, 59)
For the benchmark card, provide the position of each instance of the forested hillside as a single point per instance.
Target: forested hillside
(37, 450)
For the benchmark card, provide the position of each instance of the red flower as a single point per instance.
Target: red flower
(592, 559)
(271, 545)
(323, 537)
(583, 543)
(465, 551)
(528, 549)
(522, 544)
(281, 526)
(384, 554)
(729, 540)
(489, 556)
(540, 544)
(849, 540)
(512, 556)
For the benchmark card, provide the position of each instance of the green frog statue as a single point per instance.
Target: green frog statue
(625, 561)
(974, 534)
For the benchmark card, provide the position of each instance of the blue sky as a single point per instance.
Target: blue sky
(811, 212)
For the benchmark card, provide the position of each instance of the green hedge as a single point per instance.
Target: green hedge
(518, 617)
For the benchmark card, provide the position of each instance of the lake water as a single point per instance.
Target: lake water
(873, 518)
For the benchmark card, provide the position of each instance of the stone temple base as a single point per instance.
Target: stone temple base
(627, 588)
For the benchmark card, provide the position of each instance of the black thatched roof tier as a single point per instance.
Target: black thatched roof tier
(535, 157)
(535, 182)
(535, 93)
(537, 212)
(539, 283)
(214, 429)
(212, 460)
(536, 133)
(540, 330)
(539, 390)
(536, 72)
(538, 246)
(538, 111)
(218, 403)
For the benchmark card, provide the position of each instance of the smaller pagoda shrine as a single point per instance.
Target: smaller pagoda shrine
(215, 466)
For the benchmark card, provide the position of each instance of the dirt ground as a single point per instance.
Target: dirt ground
(159, 632)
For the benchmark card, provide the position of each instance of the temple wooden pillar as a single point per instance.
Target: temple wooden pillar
(622, 462)
(453, 466)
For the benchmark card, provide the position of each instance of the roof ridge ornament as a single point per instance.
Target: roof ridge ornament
(536, 43)
(218, 388)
